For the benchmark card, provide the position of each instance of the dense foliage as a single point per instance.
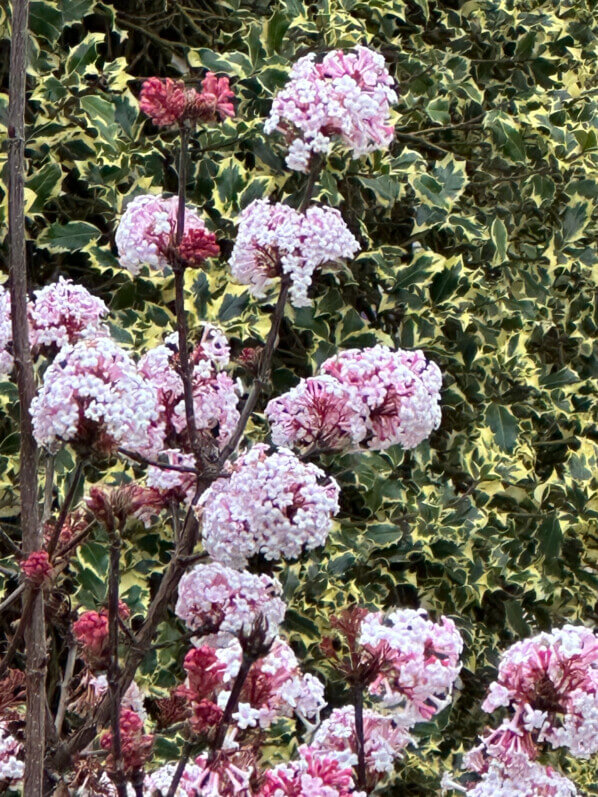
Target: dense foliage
(477, 231)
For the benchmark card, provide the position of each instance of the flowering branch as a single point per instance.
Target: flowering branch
(34, 628)
(68, 500)
(178, 773)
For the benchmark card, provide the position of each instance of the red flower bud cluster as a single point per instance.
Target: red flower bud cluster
(37, 567)
(135, 744)
(91, 631)
(168, 102)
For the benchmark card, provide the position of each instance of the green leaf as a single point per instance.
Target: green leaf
(68, 237)
(45, 184)
(551, 536)
(504, 426)
(498, 231)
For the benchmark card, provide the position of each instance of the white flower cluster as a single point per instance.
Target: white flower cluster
(529, 779)
(346, 95)
(399, 391)
(284, 689)
(12, 768)
(273, 505)
(274, 239)
(421, 660)
(385, 739)
(229, 602)
(6, 360)
(93, 391)
(215, 394)
(63, 313)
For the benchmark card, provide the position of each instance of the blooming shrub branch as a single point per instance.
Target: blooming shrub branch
(237, 508)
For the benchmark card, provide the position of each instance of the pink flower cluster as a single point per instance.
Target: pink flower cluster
(64, 313)
(312, 775)
(273, 505)
(6, 361)
(93, 393)
(136, 745)
(227, 776)
(385, 739)
(146, 235)
(275, 240)
(275, 687)
(215, 394)
(346, 95)
(550, 682)
(526, 778)
(168, 102)
(376, 397)
(216, 599)
(12, 768)
(37, 567)
(421, 661)
(173, 484)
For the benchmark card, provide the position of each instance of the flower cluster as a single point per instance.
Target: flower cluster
(37, 567)
(216, 599)
(312, 774)
(399, 392)
(275, 687)
(346, 95)
(114, 505)
(421, 660)
(91, 632)
(275, 240)
(215, 394)
(385, 739)
(228, 775)
(135, 744)
(320, 413)
(93, 394)
(6, 360)
(146, 235)
(273, 505)
(550, 682)
(64, 313)
(12, 768)
(173, 484)
(526, 778)
(376, 397)
(168, 102)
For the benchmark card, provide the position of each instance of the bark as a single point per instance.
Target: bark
(32, 537)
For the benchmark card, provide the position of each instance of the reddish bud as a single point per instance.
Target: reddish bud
(37, 567)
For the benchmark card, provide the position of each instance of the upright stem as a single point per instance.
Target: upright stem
(114, 691)
(231, 706)
(64, 510)
(178, 773)
(359, 737)
(179, 300)
(35, 635)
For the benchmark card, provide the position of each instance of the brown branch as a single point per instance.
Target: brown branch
(68, 500)
(32, 537)
(231, 706)
(359, 736)
(154, 462)
(178, 774)
(64, 688)
(114, 692)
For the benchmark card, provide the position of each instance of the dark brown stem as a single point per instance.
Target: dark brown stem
(114, 692)
(34, 629)
(231, 706)
(359, 737)
(179, 298)
(154, 462)
(15, 642)
(68, 500)
(262, 373)
(265, 363)
(178, 774)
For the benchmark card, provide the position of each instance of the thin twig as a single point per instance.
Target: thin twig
(118, 771)
(13, 596)
(66, 505)
(178, 774)
(231, 706)
(48, 487)
(15, 642)
(64, 687)
(154, 462)
(359, 736)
